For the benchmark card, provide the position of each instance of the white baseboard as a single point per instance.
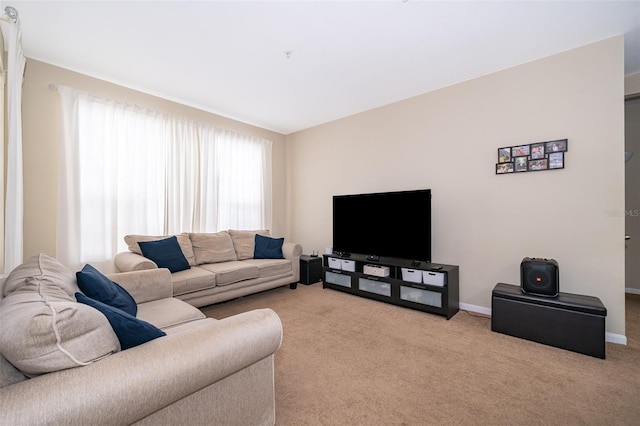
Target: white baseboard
(477, 309)
(632, 290)
(608, 337)
(615, 338)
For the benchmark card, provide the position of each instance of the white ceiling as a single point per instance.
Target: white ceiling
(229, 57)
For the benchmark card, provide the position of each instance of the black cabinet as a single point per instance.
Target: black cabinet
(427, 287)
(310, 269)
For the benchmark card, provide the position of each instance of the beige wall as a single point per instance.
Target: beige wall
(40, 146)
(447, 140)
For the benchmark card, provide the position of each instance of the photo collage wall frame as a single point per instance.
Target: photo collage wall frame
(532, 157)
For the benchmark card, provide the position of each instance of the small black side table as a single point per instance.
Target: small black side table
(310, 269)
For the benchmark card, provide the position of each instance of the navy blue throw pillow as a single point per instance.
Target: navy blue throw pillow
(130, 330)
(268, 248)
(165, 253)
(98, 287)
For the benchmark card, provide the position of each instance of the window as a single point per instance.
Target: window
(126, 170)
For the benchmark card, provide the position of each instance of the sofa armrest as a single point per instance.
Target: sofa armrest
(145, 286)
(128, 261)
(130, 385)
(293, 251)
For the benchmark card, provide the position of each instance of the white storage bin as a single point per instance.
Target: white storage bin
(433, 278)
(338, 279)
(411, 275)
(424, 297)
(335, 263)
(348, 265)
(377, 287)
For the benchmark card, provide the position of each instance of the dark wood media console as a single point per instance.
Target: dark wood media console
(356, 274)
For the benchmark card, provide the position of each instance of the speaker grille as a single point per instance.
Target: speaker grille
(539, 277)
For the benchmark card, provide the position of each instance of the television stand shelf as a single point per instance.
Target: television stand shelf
(438, 295)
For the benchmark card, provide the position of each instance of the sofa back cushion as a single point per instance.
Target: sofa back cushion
(43, 329)
(46, 268)
(244, 242)
(183, 241)
(212, 248)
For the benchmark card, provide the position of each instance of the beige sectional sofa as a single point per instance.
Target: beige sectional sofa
(203, 371)
(221, 265)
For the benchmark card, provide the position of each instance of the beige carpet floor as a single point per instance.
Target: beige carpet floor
(346, 360)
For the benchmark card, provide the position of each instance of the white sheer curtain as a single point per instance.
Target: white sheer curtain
(111, 180)
(14, 204)
(124, 170)
(244, 191)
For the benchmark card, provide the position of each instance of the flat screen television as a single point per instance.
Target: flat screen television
(387, 224)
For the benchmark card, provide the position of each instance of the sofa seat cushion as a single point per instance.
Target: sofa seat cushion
(193, 279)
(232, 272)
(168, 312)
(43, 328)
(271, 267)
(212, 248)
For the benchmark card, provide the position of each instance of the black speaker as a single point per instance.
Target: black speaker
(539, 276)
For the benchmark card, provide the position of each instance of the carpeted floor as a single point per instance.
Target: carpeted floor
(346, 360)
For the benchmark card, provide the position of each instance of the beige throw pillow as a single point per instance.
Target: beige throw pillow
(212, 248)
(183, 241)
(244, 242)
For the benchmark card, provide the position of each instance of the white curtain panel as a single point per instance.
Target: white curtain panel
(111, 179)
(244, 181)
(125, 170)
(14, 199)
(182, 177)
(206, 214)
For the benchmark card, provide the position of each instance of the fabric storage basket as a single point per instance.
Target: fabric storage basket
(335, 263)
(348, 265)
(411, 275)
(433, 278)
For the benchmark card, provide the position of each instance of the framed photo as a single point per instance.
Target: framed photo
(521, 164)
(532, 157)
(504, 155)
(556, 146)
(556, 160)
(541, 164)
(537, 151)
(520, 151)
(502, 168)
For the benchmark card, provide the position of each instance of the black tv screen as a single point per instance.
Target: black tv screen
(388, 224)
